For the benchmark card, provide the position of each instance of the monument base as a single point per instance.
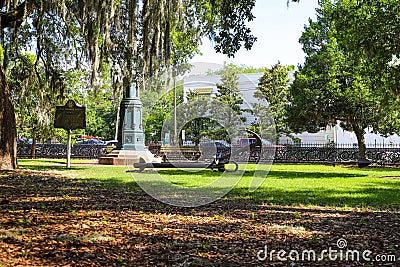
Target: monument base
(127, 157)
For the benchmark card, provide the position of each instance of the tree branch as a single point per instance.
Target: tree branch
(14, 17)
(3, 3)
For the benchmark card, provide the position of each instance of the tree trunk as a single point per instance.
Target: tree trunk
(33, 147)
(362, 148)
(118, 117)
(8, 132)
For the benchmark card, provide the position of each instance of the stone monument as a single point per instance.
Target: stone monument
(130, 134)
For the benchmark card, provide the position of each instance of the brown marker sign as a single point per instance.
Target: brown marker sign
(70, 117)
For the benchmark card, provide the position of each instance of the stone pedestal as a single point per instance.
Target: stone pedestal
(132, 129)
(128, 157)
(131, 135)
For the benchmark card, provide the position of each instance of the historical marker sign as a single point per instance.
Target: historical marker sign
(70, 117)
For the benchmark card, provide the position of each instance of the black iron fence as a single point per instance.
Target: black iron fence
(58, 151)
(343, 145)
(291, 154)
(308, 153)
(283, 153)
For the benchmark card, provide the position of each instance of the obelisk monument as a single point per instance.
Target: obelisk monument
(130, 134)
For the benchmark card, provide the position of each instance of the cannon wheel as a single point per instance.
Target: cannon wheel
(143, 164)
(258, 143)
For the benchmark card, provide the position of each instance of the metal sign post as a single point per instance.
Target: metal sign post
(69, 149)
(70, 117)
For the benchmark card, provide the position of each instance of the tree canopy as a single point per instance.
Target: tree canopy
(133, 38)
(273, 87)
(337, 84)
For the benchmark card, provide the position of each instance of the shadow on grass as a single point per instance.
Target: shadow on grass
(381, 194)
(310, 175)
(49, 168)
(274, 174)
(394, 169)
(372, 197)
(42, 161)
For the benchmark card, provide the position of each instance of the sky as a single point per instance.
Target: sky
(277, 28)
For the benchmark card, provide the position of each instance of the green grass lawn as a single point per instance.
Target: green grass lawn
(306, 185)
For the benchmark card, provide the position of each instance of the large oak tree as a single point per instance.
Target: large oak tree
(337, 84)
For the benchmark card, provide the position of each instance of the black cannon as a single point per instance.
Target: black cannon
(218, 162)
(203, 165)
